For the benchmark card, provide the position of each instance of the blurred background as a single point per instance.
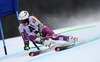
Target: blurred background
(55, 14)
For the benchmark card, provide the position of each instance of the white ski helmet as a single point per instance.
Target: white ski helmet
(23, 15)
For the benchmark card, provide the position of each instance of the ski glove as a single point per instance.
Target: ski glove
(38, 39)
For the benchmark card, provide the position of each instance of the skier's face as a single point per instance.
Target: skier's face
(25, 22)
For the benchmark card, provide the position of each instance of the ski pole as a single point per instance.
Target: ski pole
(3, 38)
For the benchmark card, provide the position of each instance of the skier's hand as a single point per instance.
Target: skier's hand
(38, 34)
(38, 39)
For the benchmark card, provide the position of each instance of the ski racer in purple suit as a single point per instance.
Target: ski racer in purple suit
(31, 29)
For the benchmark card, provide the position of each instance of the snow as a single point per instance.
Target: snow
(88, 52)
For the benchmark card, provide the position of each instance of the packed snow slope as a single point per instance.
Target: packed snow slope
(88, 52)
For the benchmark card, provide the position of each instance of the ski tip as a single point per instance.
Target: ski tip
(57, 49)
(61, 48)
(31, 54)
(34, 53)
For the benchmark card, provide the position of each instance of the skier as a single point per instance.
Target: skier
(31, 29)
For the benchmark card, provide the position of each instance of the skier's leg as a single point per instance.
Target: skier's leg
(26, 41)
(69, 39)
(47, 41)
(60, 37)
(47, 31)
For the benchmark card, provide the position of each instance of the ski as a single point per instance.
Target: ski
(58, 47)
(35, 53)
(41, 51)
(61, 48)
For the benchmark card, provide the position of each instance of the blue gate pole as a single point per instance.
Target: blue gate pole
(17, 16)
(3, 38)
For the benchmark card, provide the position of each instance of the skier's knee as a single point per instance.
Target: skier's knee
(31, 38)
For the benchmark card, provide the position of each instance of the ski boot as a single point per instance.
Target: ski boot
(26, 45)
